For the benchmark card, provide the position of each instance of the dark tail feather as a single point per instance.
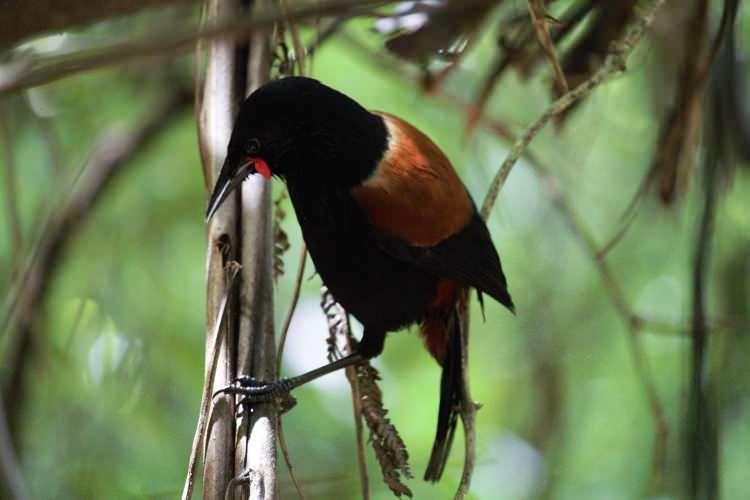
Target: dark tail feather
(451, 395)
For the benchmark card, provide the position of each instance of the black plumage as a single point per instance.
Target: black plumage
(389, 226)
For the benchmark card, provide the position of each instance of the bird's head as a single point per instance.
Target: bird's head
(294, 128)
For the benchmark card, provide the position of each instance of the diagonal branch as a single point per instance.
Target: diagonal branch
(613, 64)
(539, 19)
(216, 339)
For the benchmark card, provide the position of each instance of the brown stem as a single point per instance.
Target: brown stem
(613, 64)
(288, 461)
(468, 406)
(256, 344)
(539, 18)
(214, 127)
(216, 339)
(292, 307)
(351, 375)
(279, 356)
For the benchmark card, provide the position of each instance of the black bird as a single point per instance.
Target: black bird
(389, 225)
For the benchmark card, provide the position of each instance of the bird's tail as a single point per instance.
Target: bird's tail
(451, 393)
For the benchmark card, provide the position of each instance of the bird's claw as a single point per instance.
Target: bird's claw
(247, 477)
(255, 392)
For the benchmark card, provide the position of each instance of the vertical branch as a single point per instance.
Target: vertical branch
(214, 128)
(702, 433)
(279, 357)
(468, 406)
(351, 375)
(256, 349)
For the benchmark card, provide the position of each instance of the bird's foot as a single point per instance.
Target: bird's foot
(255, 392)
(249, 478)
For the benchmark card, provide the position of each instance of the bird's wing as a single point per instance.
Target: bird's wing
(421, 213)
(468, 256)
(414, 194)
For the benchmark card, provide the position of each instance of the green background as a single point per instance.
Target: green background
(113, 388)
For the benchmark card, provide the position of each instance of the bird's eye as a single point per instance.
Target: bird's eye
(252, 147)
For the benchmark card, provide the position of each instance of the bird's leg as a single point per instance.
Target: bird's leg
(256, 391)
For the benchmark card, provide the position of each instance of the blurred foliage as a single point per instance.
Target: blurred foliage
(113, 387)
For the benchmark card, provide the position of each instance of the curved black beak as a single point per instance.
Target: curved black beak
(227, 182)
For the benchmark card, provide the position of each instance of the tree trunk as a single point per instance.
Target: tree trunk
(240, 231)
(256, 347)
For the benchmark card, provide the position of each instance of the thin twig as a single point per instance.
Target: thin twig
(627, 219)
(613, 64)
(339, 326)
(351, 375)
(299, 47)
(468, 406)
(292, 307)
(217, 336)
(521, 54)
(326, 33)
(539, 19)
(279, 356)
(198, 71)
(702, 441)
(288, 460)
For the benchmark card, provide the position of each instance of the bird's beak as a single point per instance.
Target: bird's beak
(228, 182)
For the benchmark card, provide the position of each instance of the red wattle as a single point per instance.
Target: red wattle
(262, 168)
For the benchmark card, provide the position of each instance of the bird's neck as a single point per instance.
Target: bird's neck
(342, 154)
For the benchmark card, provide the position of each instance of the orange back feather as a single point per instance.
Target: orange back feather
(414, 193)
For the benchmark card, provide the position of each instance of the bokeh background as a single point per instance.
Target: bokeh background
(107, 396)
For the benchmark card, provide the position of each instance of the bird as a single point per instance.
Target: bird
(390, 227)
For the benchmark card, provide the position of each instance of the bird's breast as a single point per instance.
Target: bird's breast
(380, 291)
